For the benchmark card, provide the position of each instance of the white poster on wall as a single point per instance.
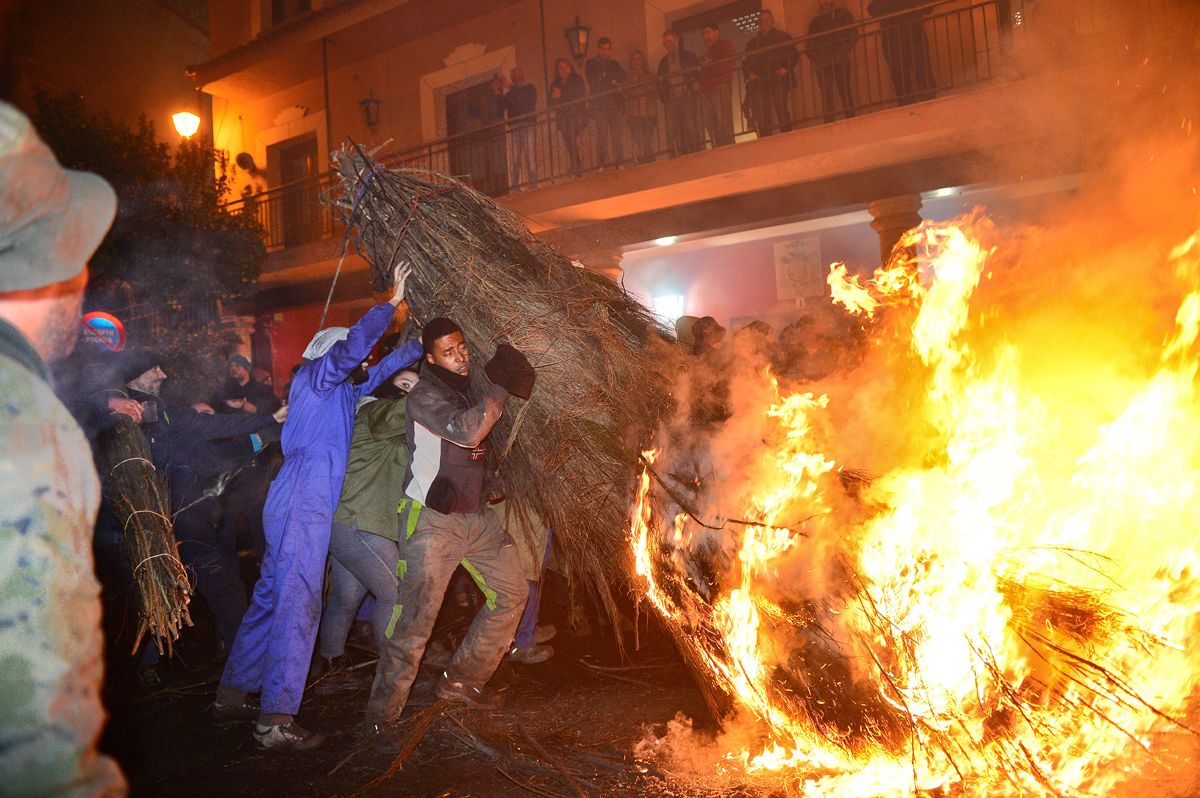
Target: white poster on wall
(799, 273)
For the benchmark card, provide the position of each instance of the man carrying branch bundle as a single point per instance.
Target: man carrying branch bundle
(445, 519)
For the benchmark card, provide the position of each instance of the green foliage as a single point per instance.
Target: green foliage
(172, 252)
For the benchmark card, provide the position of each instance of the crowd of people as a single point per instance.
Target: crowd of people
(383, 478)
(695, 91)
(379, 493)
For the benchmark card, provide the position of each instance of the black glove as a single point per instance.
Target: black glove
(509, 369)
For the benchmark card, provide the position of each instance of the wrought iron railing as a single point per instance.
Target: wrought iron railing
(941, 47)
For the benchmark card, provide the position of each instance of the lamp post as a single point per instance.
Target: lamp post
(186, 123)
(577, 39)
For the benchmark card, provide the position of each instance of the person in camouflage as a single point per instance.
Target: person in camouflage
(51, 221)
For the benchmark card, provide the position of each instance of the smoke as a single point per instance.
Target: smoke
(1071, 316)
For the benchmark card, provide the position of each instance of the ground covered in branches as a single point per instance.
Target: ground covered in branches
(567, 727)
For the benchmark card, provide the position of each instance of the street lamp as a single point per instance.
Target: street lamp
(370, 110)
(577, 38)
(186, 123)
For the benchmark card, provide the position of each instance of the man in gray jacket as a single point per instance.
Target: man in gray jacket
(445, 519)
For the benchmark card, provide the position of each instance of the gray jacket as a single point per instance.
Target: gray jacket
(447, 441)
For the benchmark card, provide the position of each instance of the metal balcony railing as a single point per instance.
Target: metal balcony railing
(941, 47)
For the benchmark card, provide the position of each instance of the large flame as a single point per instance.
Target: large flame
(1007, 606)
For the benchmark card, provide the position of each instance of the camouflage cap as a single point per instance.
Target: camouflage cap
(51, 219)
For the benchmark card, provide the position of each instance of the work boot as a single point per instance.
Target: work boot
(336, 675)
(381, 735)
(287, 737)
(455, 692)
(531, 655)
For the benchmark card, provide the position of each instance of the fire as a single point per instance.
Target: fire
(1005, 609)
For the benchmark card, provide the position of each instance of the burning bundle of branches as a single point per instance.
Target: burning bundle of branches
(1003, 609)
(139, 498)
(568, 455)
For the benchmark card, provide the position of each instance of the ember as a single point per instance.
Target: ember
(1003, 610)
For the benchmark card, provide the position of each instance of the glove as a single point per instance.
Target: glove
(509, 369)
(410, 351)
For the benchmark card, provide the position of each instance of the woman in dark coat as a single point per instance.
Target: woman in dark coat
(567, 87)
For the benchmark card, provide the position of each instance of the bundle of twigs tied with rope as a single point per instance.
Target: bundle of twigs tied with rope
(569, 453)
(138, 496)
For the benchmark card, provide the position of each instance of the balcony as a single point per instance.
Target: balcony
(941, 50)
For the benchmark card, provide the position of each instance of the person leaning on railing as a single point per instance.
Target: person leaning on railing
(641, 110)
(520, 105)
(716, 85)
(829, 53)
(905, 48)
(570, 119)
(677, 72)
(768, 65)
(605, 76)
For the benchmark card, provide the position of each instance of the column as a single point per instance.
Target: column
(603, 261)
(893, 217)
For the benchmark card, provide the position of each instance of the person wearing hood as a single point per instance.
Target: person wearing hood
(274, 645)
(188, 448)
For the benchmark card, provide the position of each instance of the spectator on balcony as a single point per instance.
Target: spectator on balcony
(677, 72)
(566, 90)
(641, 110)
(716, 85)
(520, 106)
(905, 48)
(831, 41)
(605, 76)
(770, 61)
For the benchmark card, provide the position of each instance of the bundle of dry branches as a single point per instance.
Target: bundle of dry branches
(569, 453)
(138, 495)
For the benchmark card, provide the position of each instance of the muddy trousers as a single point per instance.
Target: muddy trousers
(427, 560)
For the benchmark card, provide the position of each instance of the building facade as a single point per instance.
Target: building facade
(719, 188)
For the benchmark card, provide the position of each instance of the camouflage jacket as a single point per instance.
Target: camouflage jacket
(50, 643)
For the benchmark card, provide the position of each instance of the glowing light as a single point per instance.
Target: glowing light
(665, 241)
(669, 306)
(186, 123)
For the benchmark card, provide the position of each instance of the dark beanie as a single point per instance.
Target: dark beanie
(435, 329)
(133, 363)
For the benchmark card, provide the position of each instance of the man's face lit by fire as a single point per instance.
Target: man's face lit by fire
(710, 35)
(671, 42)
(451, 353)
(239, 373)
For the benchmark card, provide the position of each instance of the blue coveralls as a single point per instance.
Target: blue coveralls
(274, 644)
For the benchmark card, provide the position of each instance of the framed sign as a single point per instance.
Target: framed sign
(799, 273)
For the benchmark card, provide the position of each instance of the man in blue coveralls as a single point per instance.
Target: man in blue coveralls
(274, 644)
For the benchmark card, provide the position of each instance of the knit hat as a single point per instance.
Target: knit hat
(242, 361)
(323, 340)
(133, 363)
(51, 219)
(435, 329)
